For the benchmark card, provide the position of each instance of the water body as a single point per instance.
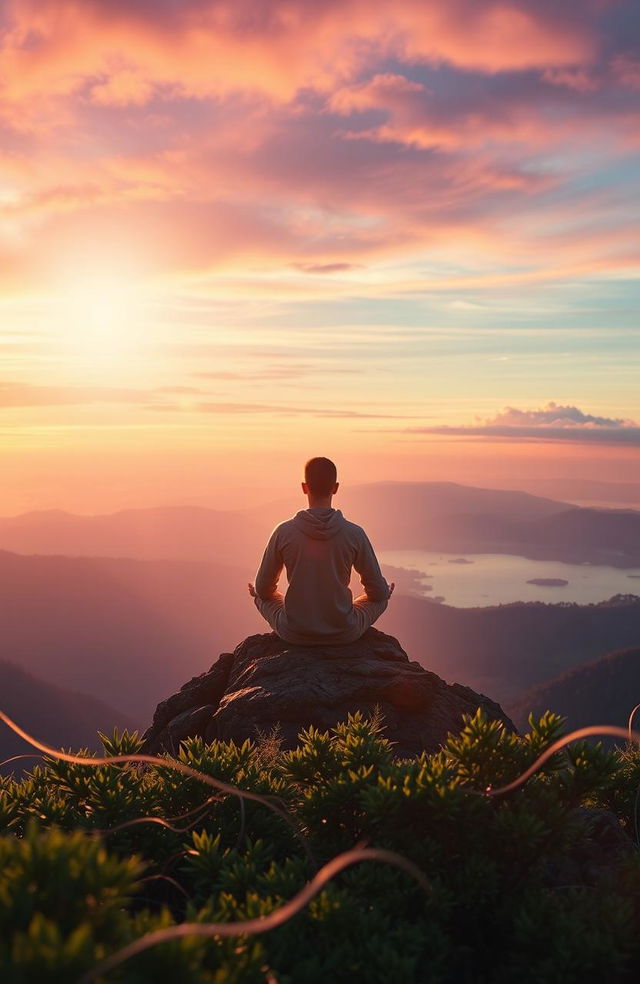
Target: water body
(478, 580)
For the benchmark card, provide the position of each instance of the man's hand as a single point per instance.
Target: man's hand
(252, 589)
(391, 588)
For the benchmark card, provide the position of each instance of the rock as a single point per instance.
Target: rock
(267, 683)
(207, 688)
(188, 724)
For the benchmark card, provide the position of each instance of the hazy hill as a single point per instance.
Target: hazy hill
(506, 649)
(441, 515)
(603, 691)
(131, 631)
(415, 500)
(609, 536)
(584, 491)
(464, 519)
(59, 717)
(176, 532)
(459, 519)
(397, 515)
(126, 630)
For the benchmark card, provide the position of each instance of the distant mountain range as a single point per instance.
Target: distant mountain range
(603, 691)
(430, 515)
(59, 717)
(131, 631)
(125, 630)
(459, 519)
(126, 606)
(583, 491)
(171, 533)
(506, 649)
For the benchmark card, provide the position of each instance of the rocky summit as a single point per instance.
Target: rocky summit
(267, 684)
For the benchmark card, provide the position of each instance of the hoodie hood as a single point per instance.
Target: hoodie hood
(320, 523)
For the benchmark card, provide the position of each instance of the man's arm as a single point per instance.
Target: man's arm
(266, 584)
(367, 566)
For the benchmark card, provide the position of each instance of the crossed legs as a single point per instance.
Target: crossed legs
(366, 613)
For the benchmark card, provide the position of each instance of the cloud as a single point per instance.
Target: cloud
(277, 46)
(122, 88)
(626, 70)
(275, 410)
(22, 394)
(325, 267)
(604, 435)
(573, 78)
(180, 390)
(27, 395)
(313, 138)
(276, 372)
(555, 415)
(508, 110)
(551, 423)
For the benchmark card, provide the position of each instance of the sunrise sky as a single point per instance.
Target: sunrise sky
(236, 233)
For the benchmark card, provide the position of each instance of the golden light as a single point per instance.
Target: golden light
(99, 318)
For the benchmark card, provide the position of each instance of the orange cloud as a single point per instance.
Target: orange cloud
(274, 373)
(280, 410)
(203, 137)
(276, 46)
(122, 88)
(14, 394)
(513, 112)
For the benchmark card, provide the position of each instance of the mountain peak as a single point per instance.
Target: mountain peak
(268, 684)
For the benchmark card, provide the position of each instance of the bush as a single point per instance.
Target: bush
(79, 879)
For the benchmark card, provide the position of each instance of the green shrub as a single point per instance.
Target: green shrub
(79, 879)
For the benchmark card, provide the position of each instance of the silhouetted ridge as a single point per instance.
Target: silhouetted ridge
(603, 691)
(507, 649)
(59, 717)
(130, 631)
(397, 515)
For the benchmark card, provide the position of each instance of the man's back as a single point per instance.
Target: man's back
(318, 548)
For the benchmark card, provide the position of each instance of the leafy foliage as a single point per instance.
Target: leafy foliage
(81, 877)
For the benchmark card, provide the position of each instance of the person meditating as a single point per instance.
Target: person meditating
(318, 548)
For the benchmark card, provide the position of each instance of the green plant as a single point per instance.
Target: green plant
(93, 856)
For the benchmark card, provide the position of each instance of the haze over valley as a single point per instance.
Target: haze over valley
(431, 516)
(127, 606)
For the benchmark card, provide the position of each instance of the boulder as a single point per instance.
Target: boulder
(268, 684)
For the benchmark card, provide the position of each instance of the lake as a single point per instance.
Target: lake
(492, 579)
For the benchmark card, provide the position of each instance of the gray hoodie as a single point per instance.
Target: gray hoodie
(318, 548)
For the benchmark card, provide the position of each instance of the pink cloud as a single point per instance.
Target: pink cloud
(191, 137)
(626, 70)
(551, 423)
(508, 113)
(573, 78)
(13, 394)
(324, 267)
(273, 46)
(221, 407)
(276, 372)
(122, 88)
(554, 415)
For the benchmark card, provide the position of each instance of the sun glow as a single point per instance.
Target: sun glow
(100, 319)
